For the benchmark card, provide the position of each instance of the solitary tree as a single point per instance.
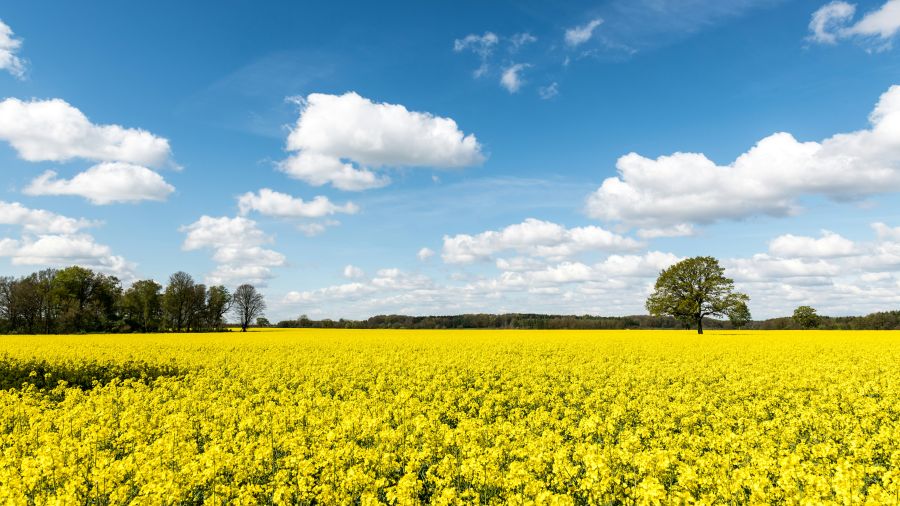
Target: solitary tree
(696, 288)
(248, 304)
(806, 317)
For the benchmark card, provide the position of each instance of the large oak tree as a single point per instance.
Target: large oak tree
(696, 288)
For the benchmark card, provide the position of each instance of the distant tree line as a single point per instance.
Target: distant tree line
(501, 321)
(876, 321)
(882, 320)
(76, 299)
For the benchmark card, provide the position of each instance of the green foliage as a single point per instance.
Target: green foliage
(740, 315)
(142, 306)
(79, 300)
(806, 317)
(694, 289)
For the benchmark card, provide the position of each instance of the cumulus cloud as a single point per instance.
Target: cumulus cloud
(52, 240)
(319, 170)
(105, 183)
(885, 232)
(272, 203)
(829, 245)
(40, 221)
(424, 254)
(352, 271)
(341, 139)
(511, 79)
(237, 249)
(679, 230)
(53, 130)
(765, 267)
(833, 274)
(824, 271)
(616, 285)
(9, 49)
(684, 188)
(536, 238)
(578, 35)
(831, 22)
(60, 250)
(391, 281)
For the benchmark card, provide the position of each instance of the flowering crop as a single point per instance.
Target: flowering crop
(450, 417)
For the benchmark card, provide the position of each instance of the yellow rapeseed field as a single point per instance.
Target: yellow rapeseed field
(450, 417)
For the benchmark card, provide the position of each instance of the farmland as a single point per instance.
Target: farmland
(405, 417)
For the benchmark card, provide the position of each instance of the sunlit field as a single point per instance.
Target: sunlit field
(492, 417)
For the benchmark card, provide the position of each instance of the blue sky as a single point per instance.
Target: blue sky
(356, 158)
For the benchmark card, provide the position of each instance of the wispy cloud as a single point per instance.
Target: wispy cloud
(578, 35)
(831, 23)
(10, 60)
(512, 79)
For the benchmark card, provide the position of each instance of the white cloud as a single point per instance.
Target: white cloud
(860, 281)
(766, 267)
(344, 290)
(59, 249)
(425, 253)
(828, 20)
(221, 232)
(882, 23)
(105, 183)
(511, 79)
(236, 243)
(617, 285)
(53, 130)
(536, 238)
(352, 271)
(679, 230)
(831, 22)
(273, 203)
(52, 240)
(68, 250)
(334, 132)
(481, 45)
(316, 228)
(578, 35)
(829, 245)
(519, 40)
(549, 91)
(40, 221)
(886, 233)
(319, 170)
(9, 48)
(685, 188)
(831, 273)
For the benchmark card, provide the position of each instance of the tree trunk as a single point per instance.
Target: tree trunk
(700, 325)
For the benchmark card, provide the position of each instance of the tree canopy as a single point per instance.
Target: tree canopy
(77, 299)
(696, 288)
(806, 317)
